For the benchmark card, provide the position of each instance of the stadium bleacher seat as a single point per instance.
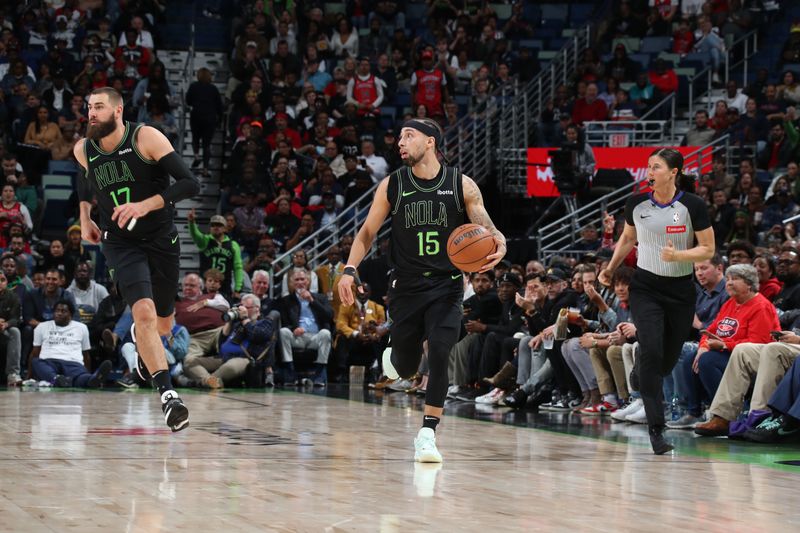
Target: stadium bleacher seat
(533, 44)
(555, 11)
(503, 11)
(642, 59)
(631, 43)
(669, 57)
(579, 13)
(415, 12)
(335, 7)
(655, 45)
(532, 13)
(61, 167)
(402, 100)
(56, 180)
(55, 200)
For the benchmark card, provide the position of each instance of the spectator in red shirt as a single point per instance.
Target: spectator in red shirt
(589, 108)
(663, 77)
(682, 39)
(282, 126)
(132, 59)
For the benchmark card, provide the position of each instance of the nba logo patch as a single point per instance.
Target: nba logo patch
(676, 217)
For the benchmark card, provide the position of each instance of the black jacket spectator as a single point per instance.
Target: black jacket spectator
(289, 306)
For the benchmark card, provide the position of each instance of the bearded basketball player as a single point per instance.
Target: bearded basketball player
(128, 168)
(427, 201)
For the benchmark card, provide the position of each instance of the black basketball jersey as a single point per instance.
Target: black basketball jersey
(123, 175)
(220, 256)
(424, 214)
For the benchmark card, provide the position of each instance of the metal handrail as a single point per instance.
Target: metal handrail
(748, 41)
(552, 237)
(316, 244)
(706, 75)
(510, 113)
(640, 132)
(188, 70)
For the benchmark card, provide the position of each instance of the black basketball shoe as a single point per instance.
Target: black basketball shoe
(175, 413)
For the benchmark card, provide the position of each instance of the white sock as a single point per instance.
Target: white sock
(610, 398)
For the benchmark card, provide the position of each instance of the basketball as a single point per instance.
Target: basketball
(468, 247)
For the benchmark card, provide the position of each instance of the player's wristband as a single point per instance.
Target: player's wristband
(350, 270)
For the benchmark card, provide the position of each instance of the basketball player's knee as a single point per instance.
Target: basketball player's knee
(438, 354)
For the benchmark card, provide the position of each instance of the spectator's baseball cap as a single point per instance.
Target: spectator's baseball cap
(251, 44)
(61, 18)
(389, 133)
(218, 220)
(555, 274)
(74, 227)
(257, 124)
(427, 54)
(284, 116)
(510, 277)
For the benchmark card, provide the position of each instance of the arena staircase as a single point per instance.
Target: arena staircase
(196, 42)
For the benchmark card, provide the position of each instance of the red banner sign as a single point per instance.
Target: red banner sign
(634, 160)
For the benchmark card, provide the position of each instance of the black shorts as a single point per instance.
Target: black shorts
(425, 308)
(145, 268)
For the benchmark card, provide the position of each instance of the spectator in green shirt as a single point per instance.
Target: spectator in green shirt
(219, 251)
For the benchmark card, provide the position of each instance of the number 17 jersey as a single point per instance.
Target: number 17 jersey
(122, 176)
(424, 214)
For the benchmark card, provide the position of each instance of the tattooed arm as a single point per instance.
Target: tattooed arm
(478, 215)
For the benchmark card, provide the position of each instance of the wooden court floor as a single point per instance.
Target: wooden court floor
(288, 461)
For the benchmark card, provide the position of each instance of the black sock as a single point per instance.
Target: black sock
(429, 421)
(162, 381)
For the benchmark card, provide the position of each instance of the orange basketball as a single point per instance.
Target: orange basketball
(468, 247)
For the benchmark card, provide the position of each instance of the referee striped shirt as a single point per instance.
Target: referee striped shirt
(656, 223)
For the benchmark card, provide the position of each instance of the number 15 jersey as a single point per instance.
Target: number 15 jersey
(122, 176)
(424, 214)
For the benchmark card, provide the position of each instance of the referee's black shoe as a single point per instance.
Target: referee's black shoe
(175, 413)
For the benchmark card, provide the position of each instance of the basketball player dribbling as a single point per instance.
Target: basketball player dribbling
(127, 170)
(427, 201)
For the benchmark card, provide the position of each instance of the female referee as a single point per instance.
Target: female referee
(665, 222)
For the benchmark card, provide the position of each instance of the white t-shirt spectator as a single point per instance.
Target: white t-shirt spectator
(65, 343)
(376, 166)
(350, 47)
(145, 39)
(290, 39)
(739, 102)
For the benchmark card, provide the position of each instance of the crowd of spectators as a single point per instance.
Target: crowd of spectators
(309, 137)
(316, 98)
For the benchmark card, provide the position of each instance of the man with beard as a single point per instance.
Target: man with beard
(425, 292)
(127, 170)
(541, 324)
(788, 271)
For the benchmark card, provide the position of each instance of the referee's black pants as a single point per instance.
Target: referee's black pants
(662, 309)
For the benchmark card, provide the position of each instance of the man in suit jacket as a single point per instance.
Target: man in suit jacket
(306, 322)
(329, 275)
(361, 330)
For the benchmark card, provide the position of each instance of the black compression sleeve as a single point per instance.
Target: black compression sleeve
(85, 192)
(185, 186)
